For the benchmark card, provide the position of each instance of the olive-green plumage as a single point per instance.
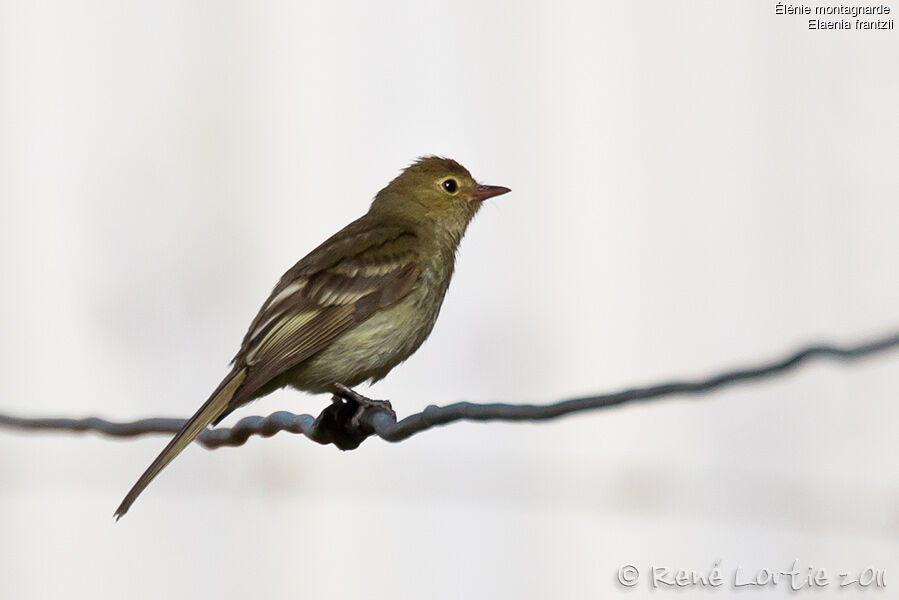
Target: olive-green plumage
(356, 306)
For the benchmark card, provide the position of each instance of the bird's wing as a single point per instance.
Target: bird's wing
(338, 285)
(342, 282)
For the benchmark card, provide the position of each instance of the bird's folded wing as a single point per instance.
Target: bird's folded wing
(323, 296)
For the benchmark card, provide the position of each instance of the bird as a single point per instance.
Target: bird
(355, 307)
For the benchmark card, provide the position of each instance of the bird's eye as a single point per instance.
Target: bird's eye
(450, 186)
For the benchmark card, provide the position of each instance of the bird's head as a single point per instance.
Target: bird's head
(437, 191)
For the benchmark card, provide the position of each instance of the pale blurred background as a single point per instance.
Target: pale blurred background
(696, 185)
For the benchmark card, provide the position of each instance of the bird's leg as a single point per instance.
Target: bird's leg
(362, 403)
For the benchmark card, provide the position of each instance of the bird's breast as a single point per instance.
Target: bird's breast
(369, 350)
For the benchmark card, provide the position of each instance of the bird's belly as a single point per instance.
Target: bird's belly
(370, 349)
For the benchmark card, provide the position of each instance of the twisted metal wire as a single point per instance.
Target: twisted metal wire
(346, 425)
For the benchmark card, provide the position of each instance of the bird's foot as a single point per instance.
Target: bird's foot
(342, 423)
(362, 403)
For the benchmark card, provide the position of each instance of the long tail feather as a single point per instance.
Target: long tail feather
(217, 404)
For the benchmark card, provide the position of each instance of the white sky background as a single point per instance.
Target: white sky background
(696, 185)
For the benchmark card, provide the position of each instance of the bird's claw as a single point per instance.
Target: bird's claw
(362, 404)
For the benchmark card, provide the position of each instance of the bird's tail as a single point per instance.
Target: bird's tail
(217, 404)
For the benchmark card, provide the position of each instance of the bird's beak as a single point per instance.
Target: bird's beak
(482, 192)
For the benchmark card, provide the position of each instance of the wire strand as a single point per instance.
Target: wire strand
(346, 425)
